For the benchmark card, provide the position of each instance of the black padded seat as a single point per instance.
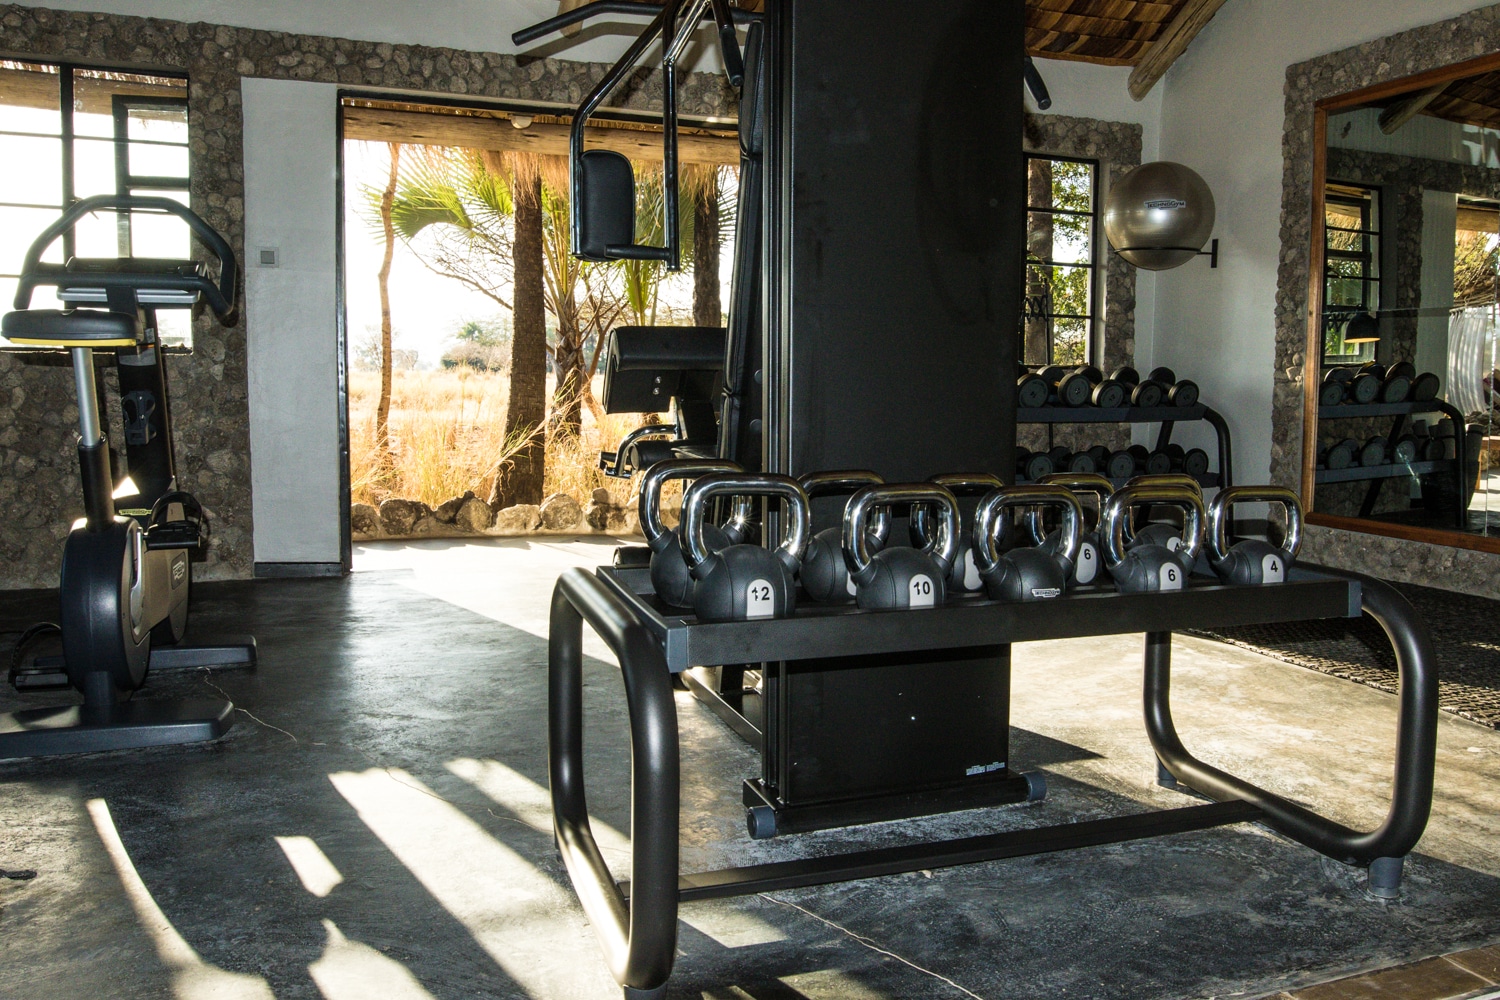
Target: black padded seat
(70, 328)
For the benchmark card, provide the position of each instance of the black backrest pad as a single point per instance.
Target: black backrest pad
(647, 366)
(752, 94)
(605, 186)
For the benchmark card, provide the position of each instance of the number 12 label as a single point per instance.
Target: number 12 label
(760, 601)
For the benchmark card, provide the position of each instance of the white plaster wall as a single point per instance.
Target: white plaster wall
(291, 178)
(1439, 224)
(1222, 113)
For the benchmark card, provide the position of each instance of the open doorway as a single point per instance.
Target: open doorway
(474, 340)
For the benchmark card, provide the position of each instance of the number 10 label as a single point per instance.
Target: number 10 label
(921, 591)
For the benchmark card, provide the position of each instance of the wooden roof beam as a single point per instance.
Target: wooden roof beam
(1403, 111)
(1190, 20)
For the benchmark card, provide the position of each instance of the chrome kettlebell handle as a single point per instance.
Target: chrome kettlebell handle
(861, 508)
(849, 481)
(973, 484)
(740, 484)
(1090, 483)
(649, 506)
(989, 520)
(1221, 517)
(1117, 515)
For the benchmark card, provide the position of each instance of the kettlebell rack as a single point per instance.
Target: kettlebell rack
(1167, 416)
(1378, 474)
(636, 922)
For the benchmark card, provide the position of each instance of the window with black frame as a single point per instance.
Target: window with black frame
(68, 132)
(1351, 270)
(1058, 324)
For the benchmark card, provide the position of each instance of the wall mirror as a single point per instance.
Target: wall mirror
(1403, 434)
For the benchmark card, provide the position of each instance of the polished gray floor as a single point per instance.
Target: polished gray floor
(376, 826)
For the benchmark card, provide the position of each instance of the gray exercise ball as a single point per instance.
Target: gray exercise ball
(1159, 215)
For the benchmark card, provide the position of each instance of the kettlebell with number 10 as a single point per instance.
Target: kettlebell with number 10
(898, 576)
(744, 582)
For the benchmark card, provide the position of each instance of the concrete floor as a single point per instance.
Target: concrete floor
(379, 828)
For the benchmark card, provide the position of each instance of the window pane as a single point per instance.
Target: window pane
(163, 123)
(98, 235)
(1066, 239)
(158, 161)
(22, 226)
(93, 166)
(32, 98)
(174, 327)
(1351, 292)
(94, 93)
(1073, 186)
(1070, 341)
(158, 234)
(33, 170)
(1068, 286)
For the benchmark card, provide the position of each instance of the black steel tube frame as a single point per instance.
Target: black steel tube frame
(601, 7)
(639, 936)
(1416, 742)
(636, 923)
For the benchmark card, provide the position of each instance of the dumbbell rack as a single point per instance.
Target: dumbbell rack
(1378, 474)
(636, 922)
(1167, 416)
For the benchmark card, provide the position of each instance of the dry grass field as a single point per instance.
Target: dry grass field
(447, 436)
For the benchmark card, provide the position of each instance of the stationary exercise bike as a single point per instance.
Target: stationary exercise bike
(126, 572)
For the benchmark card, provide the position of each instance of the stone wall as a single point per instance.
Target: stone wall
(1474, 34)
(39, 492)
(1117, 147)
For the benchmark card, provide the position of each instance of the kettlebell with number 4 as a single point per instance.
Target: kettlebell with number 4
(899, 576)
(744, 582)
(1253, 562)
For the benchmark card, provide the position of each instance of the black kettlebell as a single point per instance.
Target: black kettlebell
(1032, 573)
(825, 575)
(744, 582)
(1088, 565)
(669, 570)
(1149, 568)
(1160, 532)
(963, 576)
(898, 576)
(1252, 562)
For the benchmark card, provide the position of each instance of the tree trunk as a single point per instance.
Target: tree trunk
(383, 410)
(520, 480)
(1038, 343)
(708, 310)
(567, 399)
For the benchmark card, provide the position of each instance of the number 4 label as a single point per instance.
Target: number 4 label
(760, 600)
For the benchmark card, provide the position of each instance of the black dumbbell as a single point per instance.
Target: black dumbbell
(1405, 450)
(1341, 455)
(1335, 386)
(1425, 387)
(1032, 466)
(1374, 452)
(1100, 454)
(1143, 392)
(1105, 393)
(1396, 386)
(1121, 465)
(1032, 391)
(1182, 392)
(1365, 386)
(1076, 388)
(1195, 462)
(1151, 463)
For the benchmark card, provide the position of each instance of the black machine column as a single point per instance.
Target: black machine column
(895, 220)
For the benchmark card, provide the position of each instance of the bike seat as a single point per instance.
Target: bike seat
(70, 328)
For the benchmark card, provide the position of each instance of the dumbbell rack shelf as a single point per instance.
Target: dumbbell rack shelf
(1378, 474)
(1167, 416)
(636, 922)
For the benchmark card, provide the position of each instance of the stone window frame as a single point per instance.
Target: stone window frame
(1469, 36)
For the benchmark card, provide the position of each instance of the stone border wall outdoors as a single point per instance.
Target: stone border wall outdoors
(38, 474)
(1468, 36)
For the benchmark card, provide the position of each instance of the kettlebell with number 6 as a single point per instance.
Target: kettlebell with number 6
(744, 582)
(899, 576)
(1150, 567)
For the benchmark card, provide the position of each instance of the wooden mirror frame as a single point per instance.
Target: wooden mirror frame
(1313, 356)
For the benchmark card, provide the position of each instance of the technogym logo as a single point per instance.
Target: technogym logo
(1165, 204)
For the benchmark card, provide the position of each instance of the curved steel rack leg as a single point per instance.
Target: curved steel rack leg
(639, 937)
(1416, 745)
